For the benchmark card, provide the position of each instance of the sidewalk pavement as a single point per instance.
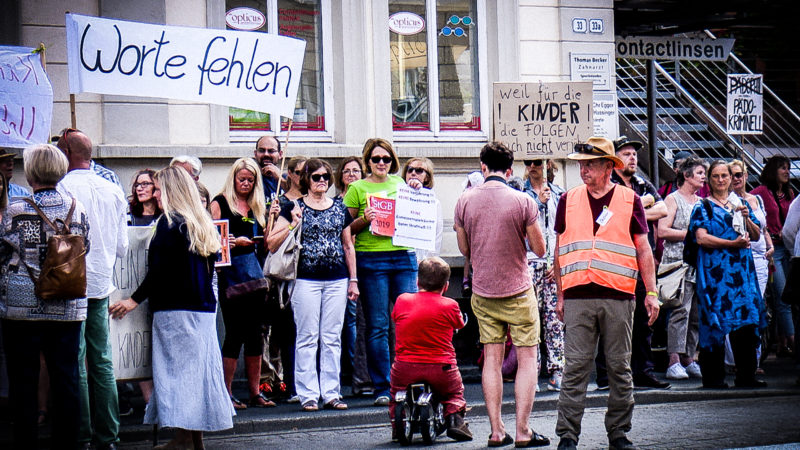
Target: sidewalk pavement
(780, 374)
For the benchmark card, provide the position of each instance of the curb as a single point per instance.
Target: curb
(379, 416)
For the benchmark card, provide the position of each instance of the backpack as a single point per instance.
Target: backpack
(690, 247)
(63, 271)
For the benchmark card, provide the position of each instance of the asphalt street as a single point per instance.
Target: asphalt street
(732, 423)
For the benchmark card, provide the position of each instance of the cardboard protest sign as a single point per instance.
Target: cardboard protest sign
(224, 256)
(383, 224)
(131, 337)
(542, 120)
(745, 104)
(244, 69)
(415, 218)
(26, 98)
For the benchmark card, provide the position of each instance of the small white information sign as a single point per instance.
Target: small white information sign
(594, 67)
(606, 115)
(415, 218)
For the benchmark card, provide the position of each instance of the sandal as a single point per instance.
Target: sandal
(336, 403)
(237, 404)
(310, 406)
(261, 401)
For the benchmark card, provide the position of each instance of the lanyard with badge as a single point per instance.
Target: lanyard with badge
(604, 216)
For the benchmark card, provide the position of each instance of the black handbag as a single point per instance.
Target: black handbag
(244, 276)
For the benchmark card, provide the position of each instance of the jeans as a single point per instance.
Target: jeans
(318, 307)
(98, 387)
(382, 276)
(355, 347)
(783, 312)
(59, 343)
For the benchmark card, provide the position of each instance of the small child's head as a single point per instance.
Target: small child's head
(433, 275)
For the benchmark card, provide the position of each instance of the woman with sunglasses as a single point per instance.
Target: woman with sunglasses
(385, 271)
(142, 204)
(326, 279)
(241, 202)
(729, 303)
(778, 194)
(422, 169)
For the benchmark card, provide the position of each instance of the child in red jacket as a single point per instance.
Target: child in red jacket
(424, 325)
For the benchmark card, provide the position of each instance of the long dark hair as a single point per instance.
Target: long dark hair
(136, 207)
(769, 175)
(4, 194)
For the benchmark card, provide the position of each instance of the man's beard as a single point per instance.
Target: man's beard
(628, 172)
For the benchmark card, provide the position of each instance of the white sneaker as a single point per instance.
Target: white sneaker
(693, 370)
(677, 372)
(294, 399)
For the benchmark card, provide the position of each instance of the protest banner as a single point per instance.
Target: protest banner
(244, 69)
(26, 98)
(131, 337)
(415, 218)
(383, 224)
(542, 120)
(224, 256)
(745, 104)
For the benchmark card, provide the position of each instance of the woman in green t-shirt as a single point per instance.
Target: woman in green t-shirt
(384, 270)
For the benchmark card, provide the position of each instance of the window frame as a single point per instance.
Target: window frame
(435, 132)
(326, 135)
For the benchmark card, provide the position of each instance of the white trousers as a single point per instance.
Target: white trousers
(318, 308)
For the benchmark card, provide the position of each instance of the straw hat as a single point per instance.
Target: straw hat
(596, 148)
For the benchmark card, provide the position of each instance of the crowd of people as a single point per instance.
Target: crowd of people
(577, 269)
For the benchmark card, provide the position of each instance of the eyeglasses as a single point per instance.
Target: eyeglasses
(379, 159)
(351, 172)
(535, 162)
(298, 172)
(267, 150)
(589, 150)
(317, 177)
(416, 170)
(738, 175)
(144, 184)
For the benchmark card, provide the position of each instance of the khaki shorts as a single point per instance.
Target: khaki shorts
(518, 314)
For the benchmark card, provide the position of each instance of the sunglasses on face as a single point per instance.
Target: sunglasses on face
(317, 177)
(738, 175)
(535, 162)
(297, 172)
(381, 159)
(416, 170)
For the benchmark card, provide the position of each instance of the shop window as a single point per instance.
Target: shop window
(434, 91)
(297, 18)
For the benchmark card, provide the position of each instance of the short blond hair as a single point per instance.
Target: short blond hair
(44, 164)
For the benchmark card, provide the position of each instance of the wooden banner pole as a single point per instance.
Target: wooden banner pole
(283, 161)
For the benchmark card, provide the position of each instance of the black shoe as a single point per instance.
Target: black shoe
(751, 383)
(647, 381)
(567, 444)
(621, 443)
(602, 384)
(536, 440)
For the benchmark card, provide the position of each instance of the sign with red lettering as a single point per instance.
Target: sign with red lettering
(26, 98)
(383, 224)
(244, 69)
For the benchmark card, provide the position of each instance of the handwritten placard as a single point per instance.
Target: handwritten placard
(26, 98)
(383, 223)
(131, 337)
(542, 120)
(745, 104)
(244, 69)
(415, 218)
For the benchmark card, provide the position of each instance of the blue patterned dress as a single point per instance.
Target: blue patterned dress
(727, 286)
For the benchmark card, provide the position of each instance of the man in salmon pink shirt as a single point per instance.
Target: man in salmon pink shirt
(424, 326)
